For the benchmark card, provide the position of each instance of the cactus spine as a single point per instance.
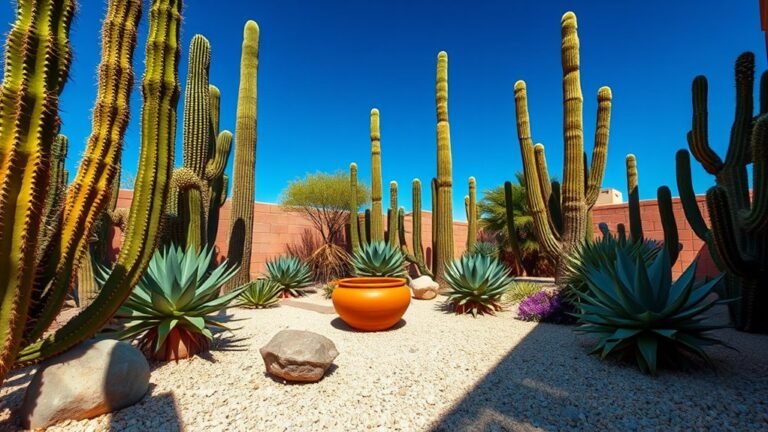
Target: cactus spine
(580, 189)
(241, 225)
(442, 242)
(377, 209)
(739, 232)
(353, 207)
(160, 92)
(392, 217)
(472, 216)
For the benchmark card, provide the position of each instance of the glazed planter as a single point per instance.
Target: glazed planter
(371, 303)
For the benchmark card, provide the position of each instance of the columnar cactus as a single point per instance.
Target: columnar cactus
(241, 224)
(354, 231)
(218, 154)
(377, 209)
(739, 232)
(87, 287)
(59, 174)
(442, 241)
(197, 107)
(160, 90)
(392, 218)
(580, 188)
(417, 257)
(472, 216)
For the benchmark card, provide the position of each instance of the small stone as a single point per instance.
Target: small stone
(424, 288)
(297, 355)
(89, 380)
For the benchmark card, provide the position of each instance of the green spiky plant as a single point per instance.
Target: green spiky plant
(488, 249)
(244, 170)
(636, 311)
(171, 310)
(738, 234)
(291, 273)
(378, 259)
(260, 294)
(476, 284)
(520, 290)
(442, 209)
(561, 216)
(33, 291)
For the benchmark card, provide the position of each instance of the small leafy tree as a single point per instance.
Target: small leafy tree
(323, 198)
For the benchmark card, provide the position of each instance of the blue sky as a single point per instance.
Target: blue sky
(324, 65)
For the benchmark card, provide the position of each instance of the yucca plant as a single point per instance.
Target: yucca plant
(170, 310)
(637, 311)
(260, 294)
(291, 273)
(488, 249)
(378, 259)
(476, 284)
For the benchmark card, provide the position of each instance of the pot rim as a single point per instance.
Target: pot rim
(371, 282)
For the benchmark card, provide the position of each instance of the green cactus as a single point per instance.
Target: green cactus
(377, 209)
(197, 107)
(354, 230)
(417, 257)
(217, 189)
(392, 218)
(59, 175)
(241, 224)
(187, 197)
(87, 287)
(442, 241)
(470, 207)
(739, 234)
(160, 90)
(580, 188)
(365, 228)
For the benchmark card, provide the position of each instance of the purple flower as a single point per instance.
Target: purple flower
(542, 306)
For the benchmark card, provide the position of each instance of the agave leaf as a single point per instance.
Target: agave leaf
(161, 302)
(196, 321)
(648, 347)
(163, 330)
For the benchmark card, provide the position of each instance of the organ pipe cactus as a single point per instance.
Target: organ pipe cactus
(738, 235)
(241, 224)
(217, 184)
(197, 107)
(442, 240)
(160, 90)
(354, 231)
(59, 175)
(393, 237)
(559, 234)
(472, 216)
(377, 210)
(417, 257)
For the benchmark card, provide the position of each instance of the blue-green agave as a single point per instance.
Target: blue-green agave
(636, 310)
(378, 259)
(477, 284)
(291, 273)
(260, 293)
(171, 309)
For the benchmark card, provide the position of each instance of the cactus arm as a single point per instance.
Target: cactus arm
(725, 234)
(739, 151)
(37, 60)
(698, 137)
(377, 209)
(217, 181)
(756, 219)
(215, 101)
(668, 222)
(688, 196)
(243, 187)
(443, 243)
(91, 189)
(216, 165)
(160, 90)
(600, 150)
(354, 221)
(635, 221)
(511, 228)
(545, 183)
(197, 107)
(365, 229)
(418, 247)
(537, 206)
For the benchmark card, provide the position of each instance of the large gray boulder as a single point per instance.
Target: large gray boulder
(424, 288)
(296, 355)
(92, 379)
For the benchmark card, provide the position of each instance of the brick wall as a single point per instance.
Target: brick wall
(274, 228)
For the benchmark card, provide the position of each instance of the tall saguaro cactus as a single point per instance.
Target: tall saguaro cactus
(377, 209)
(442, 241)
(738, 238)
(241, 224)
(160, 90)
(580, 188)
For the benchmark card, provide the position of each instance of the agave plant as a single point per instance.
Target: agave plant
(291, 273)
(519, 291)
(378, 259)
(637, 311)
(591, 254)
(171, 308)
(260, 293)
(477, 284)
(488, 249)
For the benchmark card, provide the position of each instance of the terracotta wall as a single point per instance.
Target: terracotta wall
(274, 228)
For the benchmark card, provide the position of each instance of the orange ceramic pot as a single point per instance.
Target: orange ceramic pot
(371, 303)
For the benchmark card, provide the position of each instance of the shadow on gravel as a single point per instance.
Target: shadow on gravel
(156, 412)
(549, 382)
(331, 370)
(339, 324)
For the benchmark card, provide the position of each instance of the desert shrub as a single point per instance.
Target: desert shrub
(544, 306)
(519, 291)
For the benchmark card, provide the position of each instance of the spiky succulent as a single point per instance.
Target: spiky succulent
(378, 259)
(488, 249)
(260, 294)
(521, 290)
(291, 273)
(171, 308)
(477, 284)
(637, 311)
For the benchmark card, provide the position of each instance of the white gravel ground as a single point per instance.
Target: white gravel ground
(437, 372)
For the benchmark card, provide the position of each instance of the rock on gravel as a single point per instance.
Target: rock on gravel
(92, 379)
(296, 355)
(424, 288)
